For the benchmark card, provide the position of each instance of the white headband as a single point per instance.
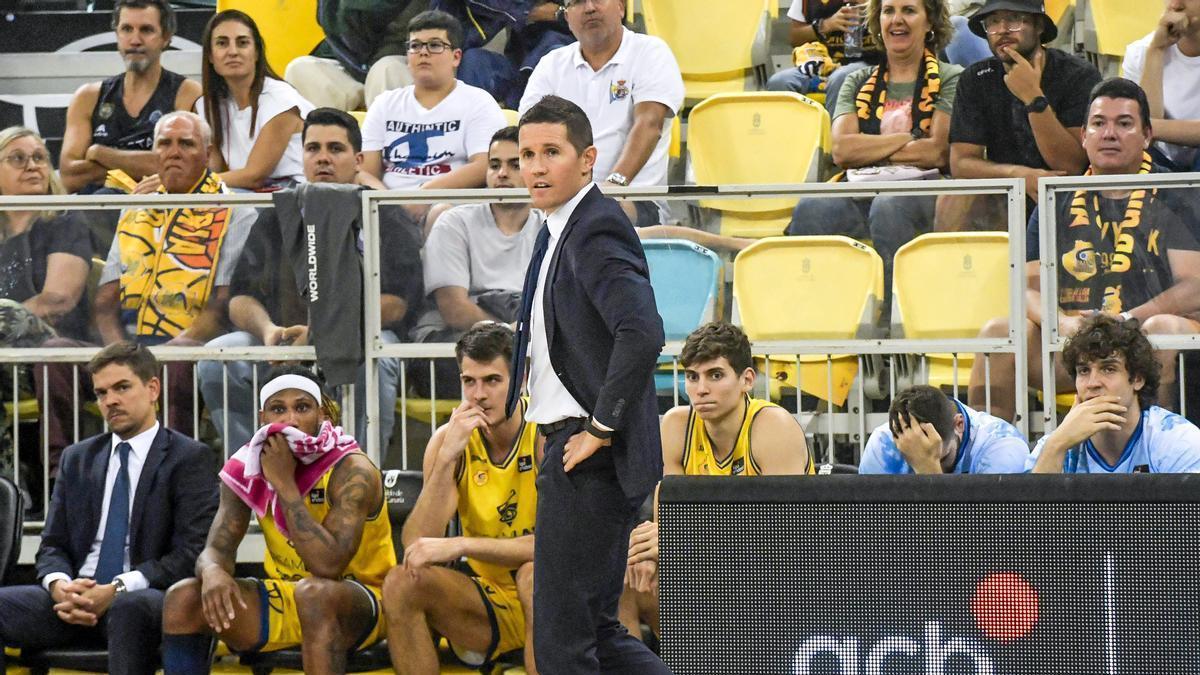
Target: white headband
(288, 381)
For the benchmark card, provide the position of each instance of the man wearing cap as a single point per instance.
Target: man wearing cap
(1019, 113)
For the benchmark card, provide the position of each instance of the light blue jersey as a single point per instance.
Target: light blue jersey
(989, 445)
(1163, 442)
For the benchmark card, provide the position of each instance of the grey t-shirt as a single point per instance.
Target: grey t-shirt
(465, 248)
(898, 91)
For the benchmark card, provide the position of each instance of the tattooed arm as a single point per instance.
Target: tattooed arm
(355, 492)
(228, 529)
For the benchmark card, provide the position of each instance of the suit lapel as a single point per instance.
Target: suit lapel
(98, 473)
(552, 271)
(145, 482)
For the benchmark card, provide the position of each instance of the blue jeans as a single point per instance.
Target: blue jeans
(791, 79)
(242, 408)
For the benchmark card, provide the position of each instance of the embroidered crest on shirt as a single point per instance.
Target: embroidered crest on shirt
(617, 91)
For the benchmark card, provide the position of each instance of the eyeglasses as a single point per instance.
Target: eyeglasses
(994, 25)
(434, 46)
(19, 160)
(579, 3)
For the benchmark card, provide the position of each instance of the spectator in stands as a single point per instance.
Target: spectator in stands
(362, 56)
(1017, 114)
(486, 464)
(630, 87)
(929, 432)
(1171, 54)
(110, 124)
(328, 542)
(723, 432)
(266, 308)
(1114, 426)
(45, 256)
(166, 279)
(896, 113)
(102, 572)
(435, 132)
(826, 23)
(255, 116)
(475, 260)
(1123, 252)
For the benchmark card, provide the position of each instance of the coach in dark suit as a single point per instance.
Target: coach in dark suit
(129, 515)
(594, 335)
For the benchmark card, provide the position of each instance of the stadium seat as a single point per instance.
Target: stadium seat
(289, 27)
(360, 116)
(932, 275)
(718, 44)
(1110, 25)
(806, 288)
(757, 138)
(511, 116)
(687, 280)
(426, 410)
(400, 491)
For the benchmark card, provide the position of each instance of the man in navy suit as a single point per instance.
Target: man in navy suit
(129, 515)
(593, 335)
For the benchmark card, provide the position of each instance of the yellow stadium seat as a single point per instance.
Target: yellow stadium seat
(1116, 23)
(512, 116)
(932, 275)
(717, 43)
(798, 288)
(289, 27)
(424, 409)
(1055, 9)
(757, 138)
(359, 115)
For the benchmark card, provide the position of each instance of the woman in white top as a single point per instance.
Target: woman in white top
(256, 117)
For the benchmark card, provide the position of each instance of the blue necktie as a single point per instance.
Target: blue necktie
(518, 358)
(116, 526)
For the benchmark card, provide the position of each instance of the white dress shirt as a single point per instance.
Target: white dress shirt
(549, 400)
(139, 448)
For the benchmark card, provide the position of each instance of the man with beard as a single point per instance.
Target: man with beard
(110, 124)
(1019, 113)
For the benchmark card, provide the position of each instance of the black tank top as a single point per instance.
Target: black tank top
(113, 127)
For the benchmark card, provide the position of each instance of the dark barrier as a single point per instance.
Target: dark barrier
(931, 575)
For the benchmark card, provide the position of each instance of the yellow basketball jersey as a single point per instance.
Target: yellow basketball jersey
(370, 564)
(498, 501)
(699, 459)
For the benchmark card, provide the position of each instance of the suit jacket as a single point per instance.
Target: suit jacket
(605, 334)
(173, 507)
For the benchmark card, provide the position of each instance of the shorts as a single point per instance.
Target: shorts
(507, 619)
(281, 620)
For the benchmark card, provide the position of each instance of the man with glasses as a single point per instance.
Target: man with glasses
(110, 124)
(630, 87)
(1019, 113)
(435, 132)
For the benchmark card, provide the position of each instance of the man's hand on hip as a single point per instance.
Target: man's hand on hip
(579, 447)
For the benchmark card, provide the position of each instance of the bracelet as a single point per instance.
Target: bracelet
(816, 26)
(597, 431)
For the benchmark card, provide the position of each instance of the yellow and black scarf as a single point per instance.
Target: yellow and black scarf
(168, 260)
(873, 95)
(1085, 211)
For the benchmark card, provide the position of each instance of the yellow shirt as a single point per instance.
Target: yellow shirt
(498, 501)
(376, 554)
(699, 458)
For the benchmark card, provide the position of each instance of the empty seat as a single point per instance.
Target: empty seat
(687, 280)
(289, 27)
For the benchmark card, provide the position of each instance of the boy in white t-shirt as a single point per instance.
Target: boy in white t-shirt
(435, 132)
(1171, 54)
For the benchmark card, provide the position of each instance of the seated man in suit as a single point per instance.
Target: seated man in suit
(127, 520)
(723, 432)
(319, 501)
(484, 464)
(929, 432)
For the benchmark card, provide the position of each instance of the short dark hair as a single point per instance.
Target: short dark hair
(714, 340)
(136, 357)
(922, 403)
(433, 19)
(508, 134)
(558, 110)
(484, 342)
(1119, 87)
(332, 117)
(1102, 336)
(166, 15)
(330, 406)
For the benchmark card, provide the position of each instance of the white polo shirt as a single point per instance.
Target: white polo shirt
(643, 69)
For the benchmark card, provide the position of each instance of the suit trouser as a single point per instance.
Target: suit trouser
(131, 628)
(580, 552)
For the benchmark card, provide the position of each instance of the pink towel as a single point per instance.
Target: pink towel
(242, 473)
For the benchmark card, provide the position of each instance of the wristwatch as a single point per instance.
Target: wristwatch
(1037, 105)
(617, 179)
(119, 586)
